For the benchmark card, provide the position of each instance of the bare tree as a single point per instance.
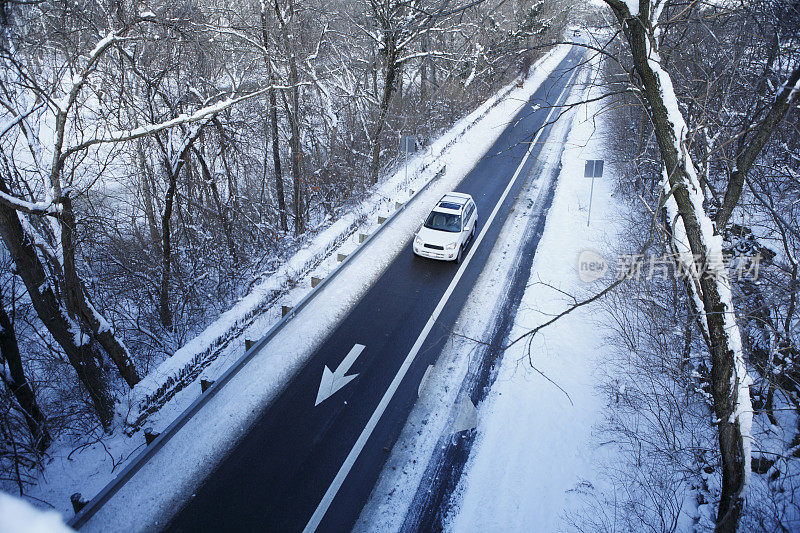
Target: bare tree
(285, 17)
(399, 26)
(273, 118)
(695, 237)
(57, 290)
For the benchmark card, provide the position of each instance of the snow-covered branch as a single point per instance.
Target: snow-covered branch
(78, 81)
(142, 131)
(31, 208)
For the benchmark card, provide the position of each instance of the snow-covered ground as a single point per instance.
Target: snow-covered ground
(534, 440)
(168, 477)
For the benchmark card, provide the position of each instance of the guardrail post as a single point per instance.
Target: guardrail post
(315, 281)
(248, 343)
(398, 205)
(150, 435)
(381, 219)
(362, 237)
(285, 310)
(341, 257)
(205, 384)
(78, 502)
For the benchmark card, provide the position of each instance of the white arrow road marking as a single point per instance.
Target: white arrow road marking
(350, 460)
(467, 416)
(333, 381)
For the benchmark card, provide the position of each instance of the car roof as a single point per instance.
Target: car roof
(453, 202)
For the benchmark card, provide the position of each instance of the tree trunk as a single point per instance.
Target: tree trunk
(19, 386)
(423, 74)
(294, 122)
(223, 220)
(146, 176)
(276, 158)
(172, 167)
(164, 308)
(82, 354)
(299, 213)
(233, 188)
(389, 85)
(81, 309)
(273, 122)
(716, 307)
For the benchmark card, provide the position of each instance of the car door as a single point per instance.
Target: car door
(468, 217)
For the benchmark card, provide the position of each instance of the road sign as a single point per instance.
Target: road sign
(408, 144)
(593, 169)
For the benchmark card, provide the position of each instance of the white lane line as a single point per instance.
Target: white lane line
(350, 460)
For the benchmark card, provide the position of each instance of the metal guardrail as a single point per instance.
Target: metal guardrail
(80, 519)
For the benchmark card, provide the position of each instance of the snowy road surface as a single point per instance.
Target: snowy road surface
(529, 456)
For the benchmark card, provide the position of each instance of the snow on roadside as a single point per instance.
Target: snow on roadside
(534, 440)
(169, 476)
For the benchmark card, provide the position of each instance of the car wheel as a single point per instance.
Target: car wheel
(472, 235)
(460, 253)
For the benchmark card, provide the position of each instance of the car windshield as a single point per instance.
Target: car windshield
(443, 221)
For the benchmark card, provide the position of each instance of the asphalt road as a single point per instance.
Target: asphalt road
(432, 502)
(276, 477)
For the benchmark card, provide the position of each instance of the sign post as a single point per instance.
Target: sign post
(408, 143)
(593, 169)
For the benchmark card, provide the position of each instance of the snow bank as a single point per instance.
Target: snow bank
(18, 516)
(189, 361)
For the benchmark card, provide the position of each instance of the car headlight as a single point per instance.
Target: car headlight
(451, 246)
(417, 240)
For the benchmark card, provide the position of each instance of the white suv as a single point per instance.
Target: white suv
(448, 229)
